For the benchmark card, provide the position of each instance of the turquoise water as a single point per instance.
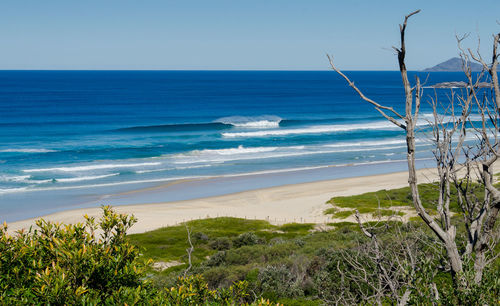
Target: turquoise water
(72, 138)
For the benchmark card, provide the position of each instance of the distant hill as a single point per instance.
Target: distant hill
(453, 64)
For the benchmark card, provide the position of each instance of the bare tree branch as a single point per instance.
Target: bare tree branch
(189, 251)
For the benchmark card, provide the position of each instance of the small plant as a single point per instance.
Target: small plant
(199, 236)
(249, 238)
(217, 259)
(279, 281)
(221, 244)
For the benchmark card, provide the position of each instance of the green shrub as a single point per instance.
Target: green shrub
(217, 259)
(193, 290)
(58, 264)
(327, 270)
(278, 281)
(199, 236)
(216, 276)
(276, 240)
(67, 264)
(299, 242)
(281, 250)
(245, 255)
(248, 238)
(221, 244)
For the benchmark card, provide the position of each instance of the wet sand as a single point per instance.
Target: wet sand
(303, 202)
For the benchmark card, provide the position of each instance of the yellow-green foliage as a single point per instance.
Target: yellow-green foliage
(60, 264)
(92, 263)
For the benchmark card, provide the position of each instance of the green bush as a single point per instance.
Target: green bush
(216, 276)
(93, 263)
(67, 264)
(276, 241)
(245, 255)
(217, 259)
(278, 281)
(221, 244)
(247, 239)
(199, 236)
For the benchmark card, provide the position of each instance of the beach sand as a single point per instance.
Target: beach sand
(284, 204)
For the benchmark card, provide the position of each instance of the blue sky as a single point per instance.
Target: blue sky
(253, 34)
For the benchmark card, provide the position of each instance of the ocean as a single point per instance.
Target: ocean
(73, 139)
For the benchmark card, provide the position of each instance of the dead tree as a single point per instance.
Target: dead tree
(383, 270)
(465, 167)
(383, 274)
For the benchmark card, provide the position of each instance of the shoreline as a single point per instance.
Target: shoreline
(42, 203)
(301, 202)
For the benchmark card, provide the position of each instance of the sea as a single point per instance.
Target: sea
(73, 139)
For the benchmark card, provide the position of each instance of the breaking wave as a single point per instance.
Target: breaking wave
(382, 125)
(265, 121)
(85, 178)
(243, 153)
(91, 167)
(26, 150)
(14, 178)
(26, 189)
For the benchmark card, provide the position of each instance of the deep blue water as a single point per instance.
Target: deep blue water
(65, 133)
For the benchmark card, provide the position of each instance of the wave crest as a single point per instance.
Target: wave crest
(26, 150)
(233, 151)
(320, 129)
(91, 167)
(265, 121)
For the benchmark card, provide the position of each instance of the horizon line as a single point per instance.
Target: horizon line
(221, 70)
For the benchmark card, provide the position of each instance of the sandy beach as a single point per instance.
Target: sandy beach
(289, 203)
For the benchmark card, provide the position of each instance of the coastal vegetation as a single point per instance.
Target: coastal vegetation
(305, 264)
(395, 202)
(94, 263)
(447, 254)
(236, 261)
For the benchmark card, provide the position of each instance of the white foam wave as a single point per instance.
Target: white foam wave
(26, 189)
(321, 167)
(14, 178)
(92, 167)
(241, 153)
(258, 124)
(425, 120)
(233, 151)
(222, 155)
(13, 190)
(41, 181)
(265, 121)
(172, 168)
(320, 129)
(28, 179)
(27, 150)
(85, 178)
(367, 143)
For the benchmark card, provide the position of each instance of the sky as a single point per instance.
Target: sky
(237, 34)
